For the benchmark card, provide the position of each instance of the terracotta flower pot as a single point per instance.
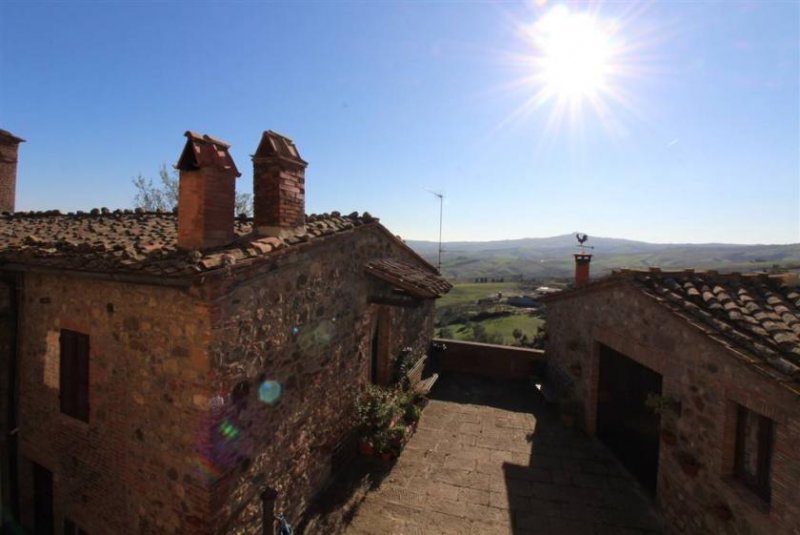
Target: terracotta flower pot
(366, 448)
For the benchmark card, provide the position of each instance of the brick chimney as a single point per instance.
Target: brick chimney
(278, 186)
(582, 269)
(9, 145)
(206, 193)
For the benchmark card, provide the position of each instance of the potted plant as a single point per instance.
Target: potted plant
(381, 441)
(365, 447)
(375, 410)
(411, 414)
(395, 440)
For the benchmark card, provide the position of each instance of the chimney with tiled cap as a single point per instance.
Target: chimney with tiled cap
(9, 146)
(279, 191)
(206, 193)
(582, 269)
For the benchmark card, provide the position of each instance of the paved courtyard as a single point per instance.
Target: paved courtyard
(490, 458)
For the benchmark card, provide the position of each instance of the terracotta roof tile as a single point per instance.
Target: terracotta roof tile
(412, 278)
(127, 241)
(753, 312)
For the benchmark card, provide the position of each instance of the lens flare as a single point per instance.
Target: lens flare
(209, 470)
(270, 392)
(228, 430)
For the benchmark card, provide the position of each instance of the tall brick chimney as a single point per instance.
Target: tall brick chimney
(279, 189)
(582, 269)
(9, 145)
(206, 193)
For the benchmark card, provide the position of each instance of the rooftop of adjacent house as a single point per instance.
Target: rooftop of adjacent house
(757, 313)
(134, 241)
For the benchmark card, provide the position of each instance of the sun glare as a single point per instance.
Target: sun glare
(576, 53)
(575, 61)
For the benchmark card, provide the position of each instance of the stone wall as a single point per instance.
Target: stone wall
(710, 380)
(134, 467)
(488, 360)
(303, 321)
(177, 439)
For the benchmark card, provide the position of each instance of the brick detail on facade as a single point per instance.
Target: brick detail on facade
(710, 379)
(137, 465)
(9, 150)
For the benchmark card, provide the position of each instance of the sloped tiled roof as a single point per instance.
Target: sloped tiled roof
(136, 242)
(754, 313)
(419, 282)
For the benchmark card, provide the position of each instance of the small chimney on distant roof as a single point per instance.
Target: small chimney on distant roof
(207, 193)
(9, 146)
(582, 261)
(279, 191)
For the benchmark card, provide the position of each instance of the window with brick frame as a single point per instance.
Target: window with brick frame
(74, 374)
(755, 436)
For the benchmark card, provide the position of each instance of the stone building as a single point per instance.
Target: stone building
(692, 379)
(169, 373)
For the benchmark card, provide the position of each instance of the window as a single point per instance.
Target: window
(755, 435)
(70, 528)
(74, 374)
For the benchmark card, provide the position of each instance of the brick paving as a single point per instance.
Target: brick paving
(492, 458)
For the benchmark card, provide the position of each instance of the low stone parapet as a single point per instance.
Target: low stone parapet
(487, 360)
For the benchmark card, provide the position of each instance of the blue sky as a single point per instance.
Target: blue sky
(698, 141)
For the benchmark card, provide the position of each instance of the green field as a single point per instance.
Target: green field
(468, 293)
(460, 307)
(503, 326)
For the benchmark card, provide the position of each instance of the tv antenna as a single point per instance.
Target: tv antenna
(440, 195)
(581, 241)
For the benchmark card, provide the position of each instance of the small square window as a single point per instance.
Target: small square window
(74, 374)
(755, 436)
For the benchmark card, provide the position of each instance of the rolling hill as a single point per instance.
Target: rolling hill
(551, 258)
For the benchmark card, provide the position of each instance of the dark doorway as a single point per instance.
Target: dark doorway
(43, 522)
(624, 423)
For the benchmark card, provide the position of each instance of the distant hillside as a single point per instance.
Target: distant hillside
(549, 258)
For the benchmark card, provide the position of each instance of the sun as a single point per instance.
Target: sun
(573, 61)
(575, 54)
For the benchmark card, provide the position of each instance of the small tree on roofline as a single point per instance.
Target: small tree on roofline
(163, 195)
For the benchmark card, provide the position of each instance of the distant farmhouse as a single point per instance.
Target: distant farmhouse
(692, 379)
(191, 373)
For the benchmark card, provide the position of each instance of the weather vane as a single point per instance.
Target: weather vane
(581, 240)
